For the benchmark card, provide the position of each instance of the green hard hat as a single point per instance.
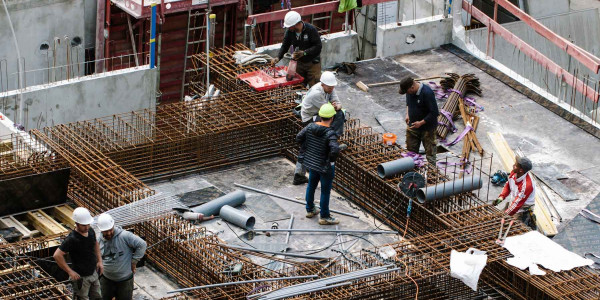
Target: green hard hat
(327, 111)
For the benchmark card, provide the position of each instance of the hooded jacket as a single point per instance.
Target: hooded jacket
(118, 253)
(318, 147)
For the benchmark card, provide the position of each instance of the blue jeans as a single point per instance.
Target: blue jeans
(326, 180)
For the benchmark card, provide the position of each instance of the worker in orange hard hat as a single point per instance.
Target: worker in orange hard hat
(307, 46)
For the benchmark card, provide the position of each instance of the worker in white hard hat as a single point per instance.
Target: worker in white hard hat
(319, 94)
(307, 46)
(121, 250)
(86, 262)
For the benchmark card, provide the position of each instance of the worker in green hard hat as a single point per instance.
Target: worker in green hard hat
(319, 149)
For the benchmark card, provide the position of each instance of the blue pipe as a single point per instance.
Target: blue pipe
(153, 36)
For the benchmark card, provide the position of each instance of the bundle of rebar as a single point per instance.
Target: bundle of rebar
(152, 207)
(459, 86)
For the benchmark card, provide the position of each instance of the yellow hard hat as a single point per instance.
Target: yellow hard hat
(327, 111)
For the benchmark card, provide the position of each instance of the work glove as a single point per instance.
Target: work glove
(297, 55)
(498, 201)
(275, 60)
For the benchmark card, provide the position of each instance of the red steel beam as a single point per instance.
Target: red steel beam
(547, 63)
(302, 10)
(589, 60)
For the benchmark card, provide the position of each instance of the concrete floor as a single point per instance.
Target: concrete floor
(541, 135)
(273, 175)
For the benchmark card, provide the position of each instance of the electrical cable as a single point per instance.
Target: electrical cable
(239, 238)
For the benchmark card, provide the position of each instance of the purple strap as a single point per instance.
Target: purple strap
(448, 116)
(471, 102)
(418, 158)
(444, 165)
(461, 136)
(456, 91)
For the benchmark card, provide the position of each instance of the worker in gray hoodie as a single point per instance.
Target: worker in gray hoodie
(121, 250)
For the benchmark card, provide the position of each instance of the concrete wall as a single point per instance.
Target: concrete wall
(582, 27)
(366, 27)
(393, 39)
(83, 99)
(35, 22)
(337, 48)
(544, 8)
(90, 8)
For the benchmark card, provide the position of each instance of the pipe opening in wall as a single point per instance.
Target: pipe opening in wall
(44, 46)
(410, 38)
(76, 41)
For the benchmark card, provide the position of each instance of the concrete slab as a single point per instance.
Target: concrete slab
(275, 175)
(151, 284)
(541, 135)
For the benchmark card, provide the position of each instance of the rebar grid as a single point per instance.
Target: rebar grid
(22, 278)
(22, 155)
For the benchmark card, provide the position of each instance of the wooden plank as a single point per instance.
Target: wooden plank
(507, 157)
(64, 213)
(15, 269)
(44, 223)
(10, 221)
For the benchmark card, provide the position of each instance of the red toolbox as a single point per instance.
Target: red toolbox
(262, 80)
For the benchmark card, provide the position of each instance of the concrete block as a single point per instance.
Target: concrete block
(338, 47)
(413, 36)
(83, 99)
(544, 8)
(371, 31)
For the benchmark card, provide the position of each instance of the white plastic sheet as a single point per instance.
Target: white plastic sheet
(467, 266)
(533, 248)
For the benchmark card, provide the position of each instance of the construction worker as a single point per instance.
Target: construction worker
(421, 117)
(318, 152)
(319, 94)
(82, 247)
(521, 189)
(121, 250)
(306, 41)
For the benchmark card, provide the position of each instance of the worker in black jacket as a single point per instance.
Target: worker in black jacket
(306, 41)
(421, 117)
(318, 152)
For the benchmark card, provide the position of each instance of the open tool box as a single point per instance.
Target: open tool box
(270, 78)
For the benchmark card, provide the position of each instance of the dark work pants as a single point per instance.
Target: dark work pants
(120, 290)
(326, 180)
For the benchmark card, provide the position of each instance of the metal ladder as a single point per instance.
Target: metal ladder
(322, 16)
(194, 41)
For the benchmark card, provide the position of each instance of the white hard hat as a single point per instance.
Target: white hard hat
(291, 18)
(82, 216)
(328, 78)
(105, 222)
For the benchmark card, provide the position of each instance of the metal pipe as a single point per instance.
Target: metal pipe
(391, 168)
(449, 188)
(237, 217)
(329, 230)
(291, 200)
(213, 207)
(277, 253)
(241, 282)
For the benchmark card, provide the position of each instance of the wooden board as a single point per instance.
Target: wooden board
(10, 221)
(507, 157)
(44, 223)
(64, 213)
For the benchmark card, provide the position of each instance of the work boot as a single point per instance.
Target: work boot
(329, 221)
(315, 211)
(300, 179)
(343, 147)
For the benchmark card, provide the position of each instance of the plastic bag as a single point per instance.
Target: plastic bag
(346, 5)
(467, 266)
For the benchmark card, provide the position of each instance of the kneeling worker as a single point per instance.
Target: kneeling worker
(522, 190)
(318, 151)
(121, 250)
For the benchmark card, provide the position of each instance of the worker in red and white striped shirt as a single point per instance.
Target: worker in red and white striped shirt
(521, 189)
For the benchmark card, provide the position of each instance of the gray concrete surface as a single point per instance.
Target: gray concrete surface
(543, 136)
(413, 36)
(275, 175)
(36, 22)
(84, 98)
(544, 8)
